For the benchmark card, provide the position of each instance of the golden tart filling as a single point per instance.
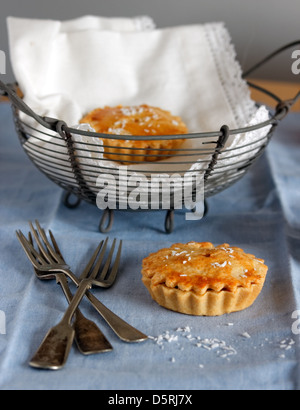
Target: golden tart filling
(201, 279)
(141, 120)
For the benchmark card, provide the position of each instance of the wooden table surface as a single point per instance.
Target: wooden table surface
(284, 90)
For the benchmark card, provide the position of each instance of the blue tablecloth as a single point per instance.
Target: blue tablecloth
(254, 349)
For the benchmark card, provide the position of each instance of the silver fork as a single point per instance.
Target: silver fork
(54, 349)
(123, 330)
(88, 336)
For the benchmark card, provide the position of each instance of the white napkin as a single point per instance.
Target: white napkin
(58, 64)
(66, 69)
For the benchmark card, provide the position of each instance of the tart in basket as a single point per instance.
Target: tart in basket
(201, 279)
(139, 121)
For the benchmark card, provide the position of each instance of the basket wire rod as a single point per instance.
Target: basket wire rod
(197, 135)
(143, 137)
(34, 137)
(46, 151)
(26, 126)
(185, 152)
(16, 100)
(263, 90)
(54, 165)
(220, 145)
(51, 123)
(282, 107)
(270, 57)
(61, 129)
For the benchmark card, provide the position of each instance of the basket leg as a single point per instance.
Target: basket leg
(205, 211)
(205, 208)
(68, 203)
(169, 221)
(106, 221)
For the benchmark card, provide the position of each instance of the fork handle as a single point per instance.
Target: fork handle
(84, 285)
(88, 336)
(122, 329)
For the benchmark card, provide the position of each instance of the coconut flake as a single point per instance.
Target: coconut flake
(219, 265)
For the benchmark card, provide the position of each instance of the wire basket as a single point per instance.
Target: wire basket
(51, 145)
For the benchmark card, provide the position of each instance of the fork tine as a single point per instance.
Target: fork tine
(90, 263)
(47, 244)
(32, 254)
(96, 268)
(56, 248)
(107, 263)
(115, 267)
(44, 254)
(30, 240)
(39, 243)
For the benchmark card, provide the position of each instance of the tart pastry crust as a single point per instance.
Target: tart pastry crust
(141, 120)
(198, 278)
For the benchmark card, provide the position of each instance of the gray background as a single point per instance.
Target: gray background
(257, 27)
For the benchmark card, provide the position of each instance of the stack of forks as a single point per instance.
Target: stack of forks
(48, 263)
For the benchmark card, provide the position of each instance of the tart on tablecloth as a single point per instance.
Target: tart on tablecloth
(198, 278)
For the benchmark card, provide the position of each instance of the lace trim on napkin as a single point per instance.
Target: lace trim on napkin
(229, 70)
(144, 23)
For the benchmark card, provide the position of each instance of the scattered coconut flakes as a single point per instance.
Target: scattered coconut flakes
(180, 253)
(183, 329)
(228, 250)
(286, 344)
(132, 110)
(166, 336)
(219, 265)
(117, 131)
(220, 348)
